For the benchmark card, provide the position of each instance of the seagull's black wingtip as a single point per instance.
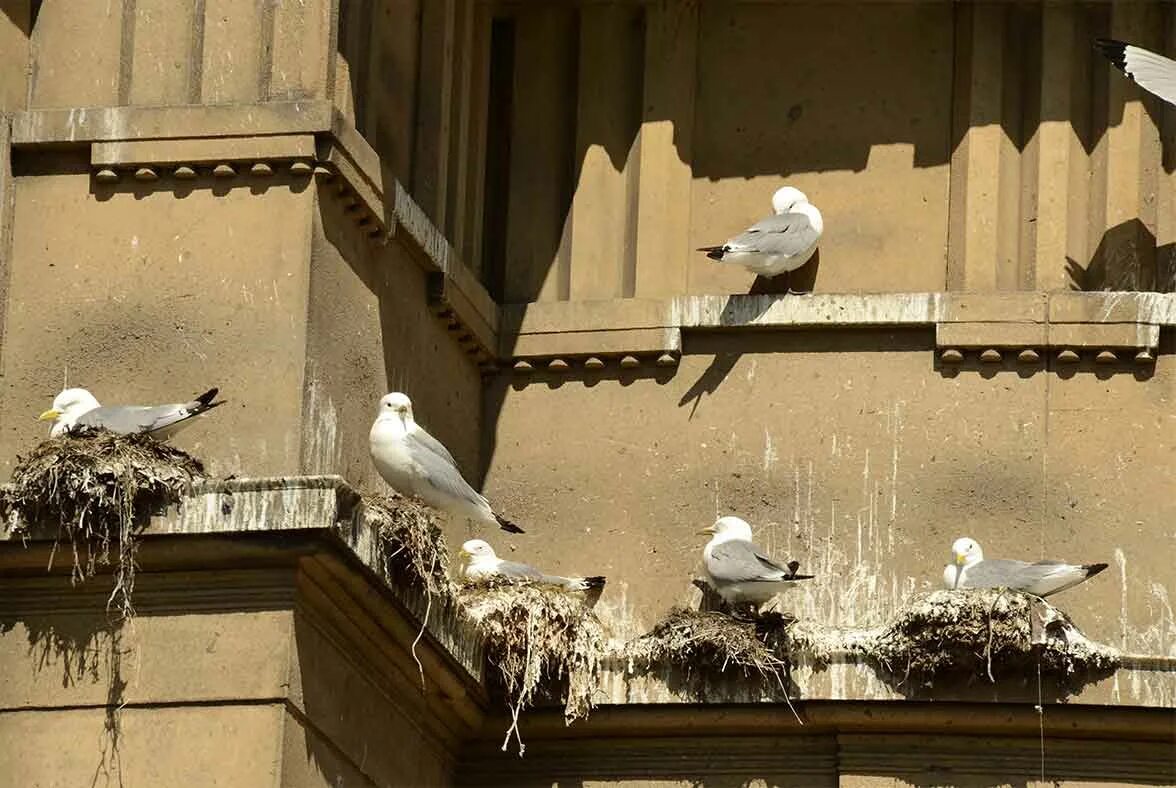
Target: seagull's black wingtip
(205, 400)
(508, 526)
(596, 581)
(1114, 51)
(713, 252)
(1094, 569)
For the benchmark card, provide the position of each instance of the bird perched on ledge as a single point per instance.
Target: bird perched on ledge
(79, 408)
(1154, 73)
(971, 570)
(479, 562)
(415, 463)
(738, 570)
(779, 243)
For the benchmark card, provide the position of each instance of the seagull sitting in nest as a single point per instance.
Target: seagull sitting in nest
(1154, 73)
(478, 562)
(779, 243)
(415, 464)
(738, 570)
(79, 408)
(1042, 578)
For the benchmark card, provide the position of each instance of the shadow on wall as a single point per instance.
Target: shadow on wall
(1127, 258)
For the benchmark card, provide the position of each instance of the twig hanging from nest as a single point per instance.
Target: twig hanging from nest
(99, 489)
(537, 636)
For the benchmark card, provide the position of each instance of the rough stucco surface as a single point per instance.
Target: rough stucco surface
(864, 464)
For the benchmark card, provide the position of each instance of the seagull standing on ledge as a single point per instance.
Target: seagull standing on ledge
(738, 570)
(79, 408)
(415, 463)
(778, 244)
(1154, 73)
(479, 562)
(971, 570)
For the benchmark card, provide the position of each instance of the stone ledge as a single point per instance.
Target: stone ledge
(319, 505)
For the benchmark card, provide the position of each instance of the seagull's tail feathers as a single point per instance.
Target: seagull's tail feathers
(1114, 51)
(1093, 569)
(205, 401)
(714, 252)
(507, 525)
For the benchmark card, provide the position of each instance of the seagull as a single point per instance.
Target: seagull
(738, 570)
(478, 562)
(971, 570)
(778, 244)
(415, 463)
(79, 408)
(1154, 73)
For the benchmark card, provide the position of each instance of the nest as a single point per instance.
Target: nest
(708, 645)
(999, 634)
(99, 488)
(412, 543)
(542, 639)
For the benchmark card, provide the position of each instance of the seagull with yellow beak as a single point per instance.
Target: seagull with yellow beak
(75, 408)
(971, 570)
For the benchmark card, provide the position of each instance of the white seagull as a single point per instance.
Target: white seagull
(738, 570)
(1042, 578)
(478, 562)
(1154, 73)
(79, 408)
(778, 244)
(415, 463)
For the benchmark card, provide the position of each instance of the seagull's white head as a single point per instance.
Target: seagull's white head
(477, 549)
(966, 552)
(395, 406)
(68, 407)
(786, 197)
(727, 528)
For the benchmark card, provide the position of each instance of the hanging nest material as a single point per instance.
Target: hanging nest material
(990, 633)
(98, 489)
(708, 646)
(412, 543)
(542, 639)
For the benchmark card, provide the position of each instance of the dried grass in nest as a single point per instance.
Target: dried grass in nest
(993, 633)
(537, 636)
(412, 543)
(706, 645)
(100, 489)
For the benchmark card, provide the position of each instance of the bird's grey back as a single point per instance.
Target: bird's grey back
(126, 419)
(739, 561)
(441, 473)
(1008, 572)
(427, 441)
(786, 234)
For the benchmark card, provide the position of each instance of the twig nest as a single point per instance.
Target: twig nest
(545, 642)
(707, 647)
(97, 489)
(412, 544)
(988, 634)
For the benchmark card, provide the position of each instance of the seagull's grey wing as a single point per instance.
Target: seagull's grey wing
(999, 573)
(442, 474)
(128, 419)
(786, 234)
(432, 444)
(522, 571)
(1154, 73)
(1042, 577)
(737, 561)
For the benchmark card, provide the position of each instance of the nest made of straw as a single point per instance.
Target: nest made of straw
(994, 633)
(99, 488)
(705, 645)
(412, 543)
(538, 636)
